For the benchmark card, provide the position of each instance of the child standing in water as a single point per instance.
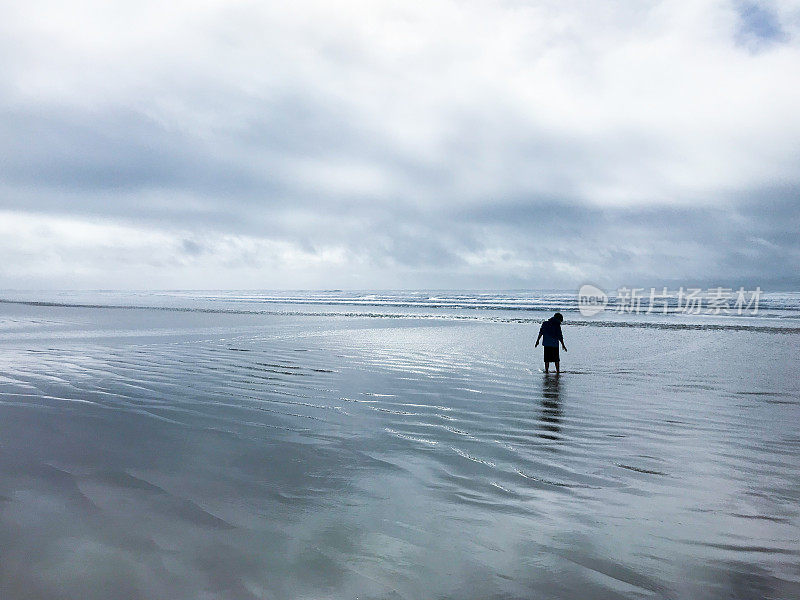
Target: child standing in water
(551, 332)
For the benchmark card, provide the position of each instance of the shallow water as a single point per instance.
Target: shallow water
(169, 454)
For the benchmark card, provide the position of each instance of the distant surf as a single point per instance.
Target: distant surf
(778, 312)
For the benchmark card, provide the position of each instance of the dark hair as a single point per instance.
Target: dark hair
(558, 316)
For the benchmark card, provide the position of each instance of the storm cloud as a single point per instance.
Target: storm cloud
(383, 144)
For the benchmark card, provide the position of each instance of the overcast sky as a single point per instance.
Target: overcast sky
(403, 144)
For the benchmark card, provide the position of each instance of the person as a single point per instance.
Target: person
(551, 332)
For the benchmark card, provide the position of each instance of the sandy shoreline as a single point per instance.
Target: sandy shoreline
(251, 456)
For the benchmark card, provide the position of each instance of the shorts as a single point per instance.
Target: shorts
(551, 354)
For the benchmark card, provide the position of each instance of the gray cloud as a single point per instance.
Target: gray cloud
(378, 144)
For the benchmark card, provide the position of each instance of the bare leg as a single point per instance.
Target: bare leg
(547, 367)
(558, 369)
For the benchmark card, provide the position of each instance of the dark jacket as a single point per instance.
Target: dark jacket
(551, 332)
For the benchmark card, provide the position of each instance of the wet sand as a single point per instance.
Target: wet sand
(162, 454)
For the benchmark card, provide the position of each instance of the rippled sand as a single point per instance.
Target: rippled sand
(152, 454)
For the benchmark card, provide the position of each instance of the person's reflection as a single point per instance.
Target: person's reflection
(551, 408)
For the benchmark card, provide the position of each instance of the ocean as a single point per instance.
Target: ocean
(386, 445)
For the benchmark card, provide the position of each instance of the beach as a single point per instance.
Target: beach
(230, 446)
